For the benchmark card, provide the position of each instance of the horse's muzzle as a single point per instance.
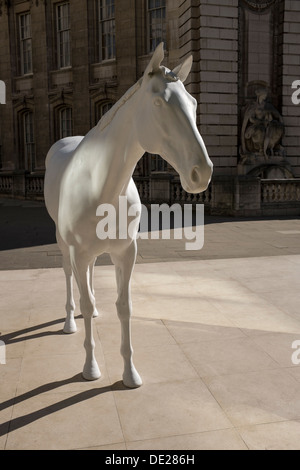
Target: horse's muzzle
(198, 180)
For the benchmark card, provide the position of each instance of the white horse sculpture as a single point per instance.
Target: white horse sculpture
(156, 115)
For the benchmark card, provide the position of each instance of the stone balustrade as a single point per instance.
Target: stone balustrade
(22, 185)
(6, 184)
(280, 191)
(179, 195)
(237, 195)
(34, 185)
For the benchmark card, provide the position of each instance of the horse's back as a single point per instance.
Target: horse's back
(57, 160)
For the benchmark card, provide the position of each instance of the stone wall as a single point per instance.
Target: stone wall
(209, 29)
(82, 85)
(234, 44)
(6, 111)
(40, 85)
(290, 73)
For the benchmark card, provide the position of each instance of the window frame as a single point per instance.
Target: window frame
(106, 28)
(154, 40)
(28, 145)
(65, 130)
(25, 40)
(1, 146)
(101, 108)
(63, 47)
(157, 164)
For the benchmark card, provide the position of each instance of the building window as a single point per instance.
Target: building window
(25, 43)
(157, 164)
(106, 30)
(28, 140)
(65, 122)
(102, 108)
(63, 35)
(0, 149)
(156, 23)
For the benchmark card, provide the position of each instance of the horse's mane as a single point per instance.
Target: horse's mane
(108, 117)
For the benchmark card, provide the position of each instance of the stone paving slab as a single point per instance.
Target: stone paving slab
(213, 349)
(212, 333)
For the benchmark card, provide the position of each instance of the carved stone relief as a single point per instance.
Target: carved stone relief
(262, 130)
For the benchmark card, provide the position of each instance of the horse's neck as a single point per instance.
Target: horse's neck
(112, 153)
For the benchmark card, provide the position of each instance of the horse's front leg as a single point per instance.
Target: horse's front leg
(91, 276)
(70, 324)
(124, 266)
(80, 265)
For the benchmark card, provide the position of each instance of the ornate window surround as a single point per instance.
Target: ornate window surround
(259, 5)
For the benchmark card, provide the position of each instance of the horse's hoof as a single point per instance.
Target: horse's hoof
(70, 327)
(132, 380)
(91, 372)
(95, 313)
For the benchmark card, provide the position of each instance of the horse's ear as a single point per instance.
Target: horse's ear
(156, 60)
(182, 71)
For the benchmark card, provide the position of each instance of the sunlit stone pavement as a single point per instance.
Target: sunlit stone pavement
(212, 337)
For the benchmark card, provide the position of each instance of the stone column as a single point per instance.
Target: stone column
(218, 97)
(189, 42)
(80, 67)
(40, 83)
(8, 157)
(125, 17)
(209, 30)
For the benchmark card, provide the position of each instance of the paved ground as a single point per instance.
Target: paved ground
(212, 334)
(27, 239)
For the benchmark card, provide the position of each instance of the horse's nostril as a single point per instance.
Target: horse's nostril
(195, 176)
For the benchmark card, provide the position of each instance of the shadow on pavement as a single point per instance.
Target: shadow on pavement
(25, 226)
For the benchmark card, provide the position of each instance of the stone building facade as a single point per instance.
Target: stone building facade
(64, 63)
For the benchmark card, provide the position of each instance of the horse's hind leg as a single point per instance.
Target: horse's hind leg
(80, 265)
(124, 266)
(70, 325)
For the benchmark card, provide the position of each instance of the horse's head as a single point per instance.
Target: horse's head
(166, 123)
